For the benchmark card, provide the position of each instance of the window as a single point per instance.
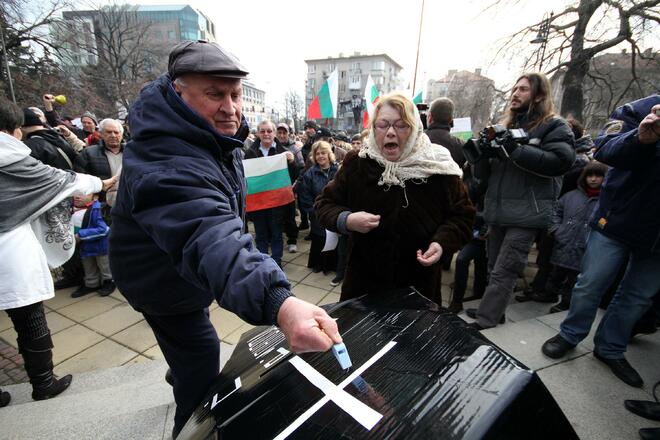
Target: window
(355, 66)
(312, 84)
(379, 65)
(342, 74)
(311, 68)
(170, 35)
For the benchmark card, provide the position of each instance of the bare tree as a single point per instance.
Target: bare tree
(294, 108)
(584, 29)
(24, 26)
(125, 56)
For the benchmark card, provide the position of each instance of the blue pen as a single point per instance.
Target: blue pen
(341, 353)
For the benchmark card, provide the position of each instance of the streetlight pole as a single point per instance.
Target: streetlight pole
(6, 59)
(542, 38)
(419, 39)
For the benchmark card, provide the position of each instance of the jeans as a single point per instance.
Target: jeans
(268, 230)
(474, 250)
(600, 264)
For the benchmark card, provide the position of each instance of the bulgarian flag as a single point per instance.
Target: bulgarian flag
(324, 105)
(418, 98)
(371, 97)
(268, 182)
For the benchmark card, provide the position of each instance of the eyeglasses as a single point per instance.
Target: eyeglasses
(384, 125)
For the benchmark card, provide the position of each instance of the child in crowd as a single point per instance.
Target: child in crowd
(570, 225)
(92, 234)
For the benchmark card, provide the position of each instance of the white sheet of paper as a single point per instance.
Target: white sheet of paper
(331, 239)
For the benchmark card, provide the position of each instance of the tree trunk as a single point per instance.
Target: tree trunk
(572, 98)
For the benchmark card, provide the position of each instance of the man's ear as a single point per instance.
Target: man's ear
(429, 118)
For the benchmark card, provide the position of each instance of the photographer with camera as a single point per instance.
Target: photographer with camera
(522, 162)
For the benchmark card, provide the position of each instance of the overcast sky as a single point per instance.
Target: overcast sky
(273, 38)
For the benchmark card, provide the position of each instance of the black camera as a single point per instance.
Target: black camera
(491, 142)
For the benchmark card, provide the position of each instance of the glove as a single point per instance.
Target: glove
(509, 145)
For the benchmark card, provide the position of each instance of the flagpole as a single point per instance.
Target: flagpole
(419, 39)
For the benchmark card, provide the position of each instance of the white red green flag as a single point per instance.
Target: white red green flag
(324, 105)
(418, 98)
(268, 182)
(371, 97)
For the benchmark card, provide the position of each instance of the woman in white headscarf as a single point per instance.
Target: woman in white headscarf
(401, 200)
(35, 234)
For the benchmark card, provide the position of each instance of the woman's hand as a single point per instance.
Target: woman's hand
(109, 183)
(431, 256)
(362, 222)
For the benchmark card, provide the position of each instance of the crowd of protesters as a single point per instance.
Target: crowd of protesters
(168, 223)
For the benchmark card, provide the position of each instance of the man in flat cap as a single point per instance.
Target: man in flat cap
(177, 241)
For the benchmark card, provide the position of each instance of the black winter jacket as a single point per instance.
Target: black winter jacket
(439, 134)
(177, 240)
(94, 161)
(523, 188)
(309, 188)
(44, 145)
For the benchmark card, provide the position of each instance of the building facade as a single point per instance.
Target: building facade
(352, 73)
(165, 26)
(254, 104)
(472, 93)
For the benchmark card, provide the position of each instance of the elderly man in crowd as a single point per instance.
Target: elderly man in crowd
(177, 241)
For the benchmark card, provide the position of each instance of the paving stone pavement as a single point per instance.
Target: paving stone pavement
(95, 335)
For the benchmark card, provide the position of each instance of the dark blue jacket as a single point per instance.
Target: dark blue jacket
(93, 232)
(177, 240)
(311, 185)
(629, 205)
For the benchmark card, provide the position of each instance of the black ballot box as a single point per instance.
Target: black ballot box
(418, 372)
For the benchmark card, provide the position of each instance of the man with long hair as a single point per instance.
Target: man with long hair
(523, 184)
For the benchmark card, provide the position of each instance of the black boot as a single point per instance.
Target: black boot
(5, 398)
(38, 357)
(649, 433)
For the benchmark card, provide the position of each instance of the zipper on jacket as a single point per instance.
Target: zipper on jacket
(536, 205)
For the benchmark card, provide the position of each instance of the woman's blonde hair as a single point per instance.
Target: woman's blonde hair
(323, 146)
(403, 105)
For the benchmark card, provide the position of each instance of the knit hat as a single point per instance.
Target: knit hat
(91, 116)
(30, 118)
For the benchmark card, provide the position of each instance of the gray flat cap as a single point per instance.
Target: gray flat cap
(203, 57)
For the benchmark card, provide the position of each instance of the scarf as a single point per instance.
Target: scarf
(26, 185)
(592, 192)
(419, 160)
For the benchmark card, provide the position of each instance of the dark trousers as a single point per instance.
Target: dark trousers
(544, 245)
(268, 231)
(325, 261)
(304, 217)
(72, 270)
(34, 343)
(508, 248)
(342, 256)
(191, 348)
(474, 250)
(561, 282)
(290, 227)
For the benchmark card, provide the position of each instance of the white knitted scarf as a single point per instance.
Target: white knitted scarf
(419, 160)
